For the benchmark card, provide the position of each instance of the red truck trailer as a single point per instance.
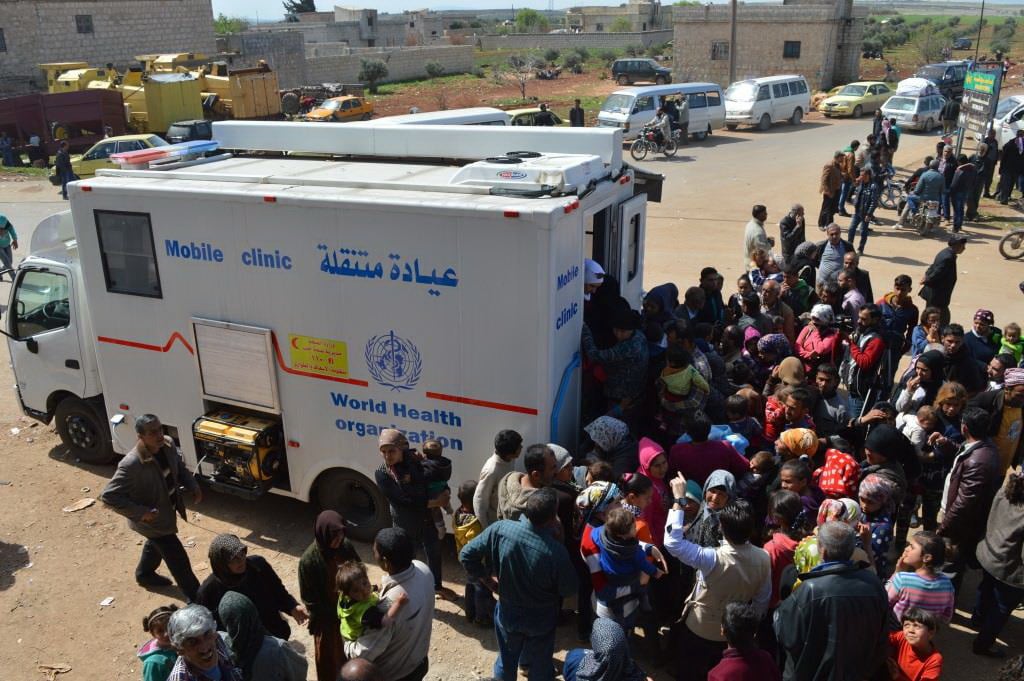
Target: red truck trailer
(78, 117)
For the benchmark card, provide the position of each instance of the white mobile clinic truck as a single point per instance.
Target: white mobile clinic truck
(277, 312)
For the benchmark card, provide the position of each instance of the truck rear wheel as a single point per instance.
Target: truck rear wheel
(358, 500)
(83, 431)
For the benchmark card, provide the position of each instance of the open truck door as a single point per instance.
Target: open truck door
(632, 225)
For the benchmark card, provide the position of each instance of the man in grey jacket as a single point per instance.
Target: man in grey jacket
(146, 490)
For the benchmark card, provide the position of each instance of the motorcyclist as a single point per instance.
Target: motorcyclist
(662, 127)
(672, 112)
(929, 188)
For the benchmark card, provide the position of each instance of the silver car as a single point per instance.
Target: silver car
(915, 113)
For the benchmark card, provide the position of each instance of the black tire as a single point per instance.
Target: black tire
(797, 117)
(731, 126)
(858, 111)
(83, 431)
(765, 122)
(290, 103)
(1011, 246)
(702, 135)
(929, 125)
(660, 80)
(359, 501)
(622, 80)
(366, 116)
(670, 148)
(638, 149)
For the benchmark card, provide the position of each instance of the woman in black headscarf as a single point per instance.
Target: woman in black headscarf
(318, 588)
(234, 570)
(260, 656)
(608, 659)
(920, 386)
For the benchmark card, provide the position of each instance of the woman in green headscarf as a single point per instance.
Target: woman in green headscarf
(261, 657)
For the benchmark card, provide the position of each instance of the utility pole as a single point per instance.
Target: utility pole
(732, 42)
(981, 22)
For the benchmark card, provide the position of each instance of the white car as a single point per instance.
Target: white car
(1007, 119)
(915, 113)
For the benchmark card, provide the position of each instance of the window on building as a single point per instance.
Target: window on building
(369, 22)
(791, 49)
(3, 41)
(599, 28)
(129, 258)
(719, 49)
(412, 24)
(83, 23)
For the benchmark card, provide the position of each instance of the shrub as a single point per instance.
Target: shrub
(433, 69)
(657, 50)
(371, 72)
(607, 56)
(621, 25)
(953, 20)
(634, 50)
(455, 25)
(583, 52)
(552, 55)
(999, 45)
(572, 62)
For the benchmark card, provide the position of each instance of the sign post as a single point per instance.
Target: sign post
(981, 94)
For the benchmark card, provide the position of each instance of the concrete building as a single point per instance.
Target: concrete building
(98, 32)
(358, 27)
(820, 40)
(639, 15)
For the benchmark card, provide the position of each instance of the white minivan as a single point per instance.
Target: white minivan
(630, 108)
(763, 101)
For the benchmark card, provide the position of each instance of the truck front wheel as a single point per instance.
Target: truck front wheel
(83, 431)
(358, 500)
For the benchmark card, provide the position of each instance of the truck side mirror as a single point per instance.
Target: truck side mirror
(33, 345)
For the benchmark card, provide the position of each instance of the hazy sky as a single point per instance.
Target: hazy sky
(272, 9)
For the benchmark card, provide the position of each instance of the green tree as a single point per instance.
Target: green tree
(686, 3)
(455, 25)
(223, 24)
(371, 72)
(531, 21)
(292, 7)
(607, 56)
(552, 55)
(999, 45)
(634, 50)
(434, 69)
(572, 63)
(582, 51)
(953, 20)
(621, 25)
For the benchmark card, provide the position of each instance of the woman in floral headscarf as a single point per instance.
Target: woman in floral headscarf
(607, 660)
(876, 501)
(773, 348)
(796, 442)
(613, 443)
(807, 555)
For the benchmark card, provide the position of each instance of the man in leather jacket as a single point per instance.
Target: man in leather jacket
(833, 625)
(970, 489)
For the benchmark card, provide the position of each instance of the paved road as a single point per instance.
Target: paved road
(711, 186)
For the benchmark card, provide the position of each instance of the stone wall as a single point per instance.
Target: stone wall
(284, 52)
(39, 31)
(562, 41)
(829, 42)
(403, 64)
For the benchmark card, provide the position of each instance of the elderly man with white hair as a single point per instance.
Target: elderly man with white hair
(202, 654)
(833, 625)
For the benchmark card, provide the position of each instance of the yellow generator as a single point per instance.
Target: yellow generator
(238, 453)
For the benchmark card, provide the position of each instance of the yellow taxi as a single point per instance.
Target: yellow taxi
(98, 155)
(857, 98)
(347, 108)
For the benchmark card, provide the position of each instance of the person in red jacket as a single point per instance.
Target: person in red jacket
(819, 342)
(743, 660)
(861, 369)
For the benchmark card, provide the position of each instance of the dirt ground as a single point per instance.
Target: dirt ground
(56, 567)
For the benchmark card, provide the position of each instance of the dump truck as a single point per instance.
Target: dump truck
(78, 117)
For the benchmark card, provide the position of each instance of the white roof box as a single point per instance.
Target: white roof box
(475, 142)
(530, 172)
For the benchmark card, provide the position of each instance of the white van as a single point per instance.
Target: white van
(763, 101)
(630, 108)
(479, 115)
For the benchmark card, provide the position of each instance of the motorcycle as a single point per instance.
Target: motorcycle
(646, 143)
(892, 193)
(926, 218)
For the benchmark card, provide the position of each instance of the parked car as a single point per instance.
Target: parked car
(856, 99)
(526, 116)
(637, 69)
(763, 101)
(915, 113)
(186, 131)
(98, 155)
(948, 76)
(962, 44)
(630, 108)
(1007, 119)
(347, 108)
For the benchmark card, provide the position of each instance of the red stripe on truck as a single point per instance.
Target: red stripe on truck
(482, 403)
(146, 346)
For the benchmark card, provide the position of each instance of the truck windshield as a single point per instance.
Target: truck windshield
(41, 303)
(616, 103)
(744, 91)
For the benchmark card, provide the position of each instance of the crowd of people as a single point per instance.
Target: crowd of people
(788, 481)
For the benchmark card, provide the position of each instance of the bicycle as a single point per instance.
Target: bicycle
(646, 143)
(1011, 246)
